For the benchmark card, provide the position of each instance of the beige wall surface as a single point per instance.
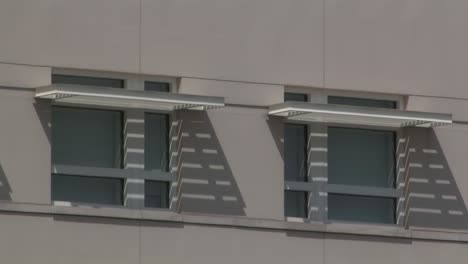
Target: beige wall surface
(406, 47)
(403, 47)
(230, 163)
(272, 41)
(43, 239)
(239, 93)
(24, 148)
(446, 167)
(46, 239)
(85, 34)
(23, 76)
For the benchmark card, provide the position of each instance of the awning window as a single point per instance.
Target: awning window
(123, 98)
(341, 114)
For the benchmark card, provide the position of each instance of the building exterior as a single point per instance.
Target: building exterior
(260, 131)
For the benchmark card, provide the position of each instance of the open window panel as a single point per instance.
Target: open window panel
(361, 175)
(86, 139)
(88, 154)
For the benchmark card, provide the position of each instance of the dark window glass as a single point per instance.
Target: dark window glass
(295, 204)
(88, 81)
(295, 152)
(87, 189)
(361, 208)
(157, 86)
(295, 97)
(361, 157)
(85, 137)
(156, 194)
(362, 102)
(156, 142)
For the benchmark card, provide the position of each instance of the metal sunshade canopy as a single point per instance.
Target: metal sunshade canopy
(123, 98)
(313, 112)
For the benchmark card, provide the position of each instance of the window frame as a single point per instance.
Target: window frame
(368, 191)
(393, 192)
(173, 84)
(131, 82)
(298, 186)
(397, 193)
(159, 175)
(87, 171)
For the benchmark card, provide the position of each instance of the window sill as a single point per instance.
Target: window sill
(170, 216)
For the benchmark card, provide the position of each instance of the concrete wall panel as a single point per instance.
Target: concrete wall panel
(406, 47)
(235, 92)
(95, 240)
(231, 163)
(443, 156)
(199, 244)
(24, 148)
(24, 76)
(249, 140)
(89, 34)
(261, 41)
(45, 239)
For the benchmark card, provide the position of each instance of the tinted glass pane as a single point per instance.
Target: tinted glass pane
(156, 142)
(361, 157)
(295, 204)
(295, 152)
(85, 137)
(361, 208)
(361, 102)
(89, 81)
(156, 194)
(86, 189)
(295, 97)
(157, 87)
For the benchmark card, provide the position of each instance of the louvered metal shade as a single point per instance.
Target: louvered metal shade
(343, 114)
(123, 98)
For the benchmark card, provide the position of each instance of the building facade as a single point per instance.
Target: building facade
(151, 131)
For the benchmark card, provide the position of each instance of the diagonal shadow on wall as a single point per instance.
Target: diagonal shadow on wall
(206, 182)
(276, 126)
(43, 110)
(432, 197)
(5, 189)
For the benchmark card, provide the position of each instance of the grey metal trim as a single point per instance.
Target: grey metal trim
(124, 98)
(344, 189)
(113, 173)
(363, 190)
(299, 186)
(405, 118)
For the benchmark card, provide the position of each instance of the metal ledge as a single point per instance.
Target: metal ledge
(113, 173)
(344, 189)
(363, 190)
(343, 114)
(242, 222)
(123, 98)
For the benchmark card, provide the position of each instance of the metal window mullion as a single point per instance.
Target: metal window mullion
(298, 186)
(84, 171)
(363, 190)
